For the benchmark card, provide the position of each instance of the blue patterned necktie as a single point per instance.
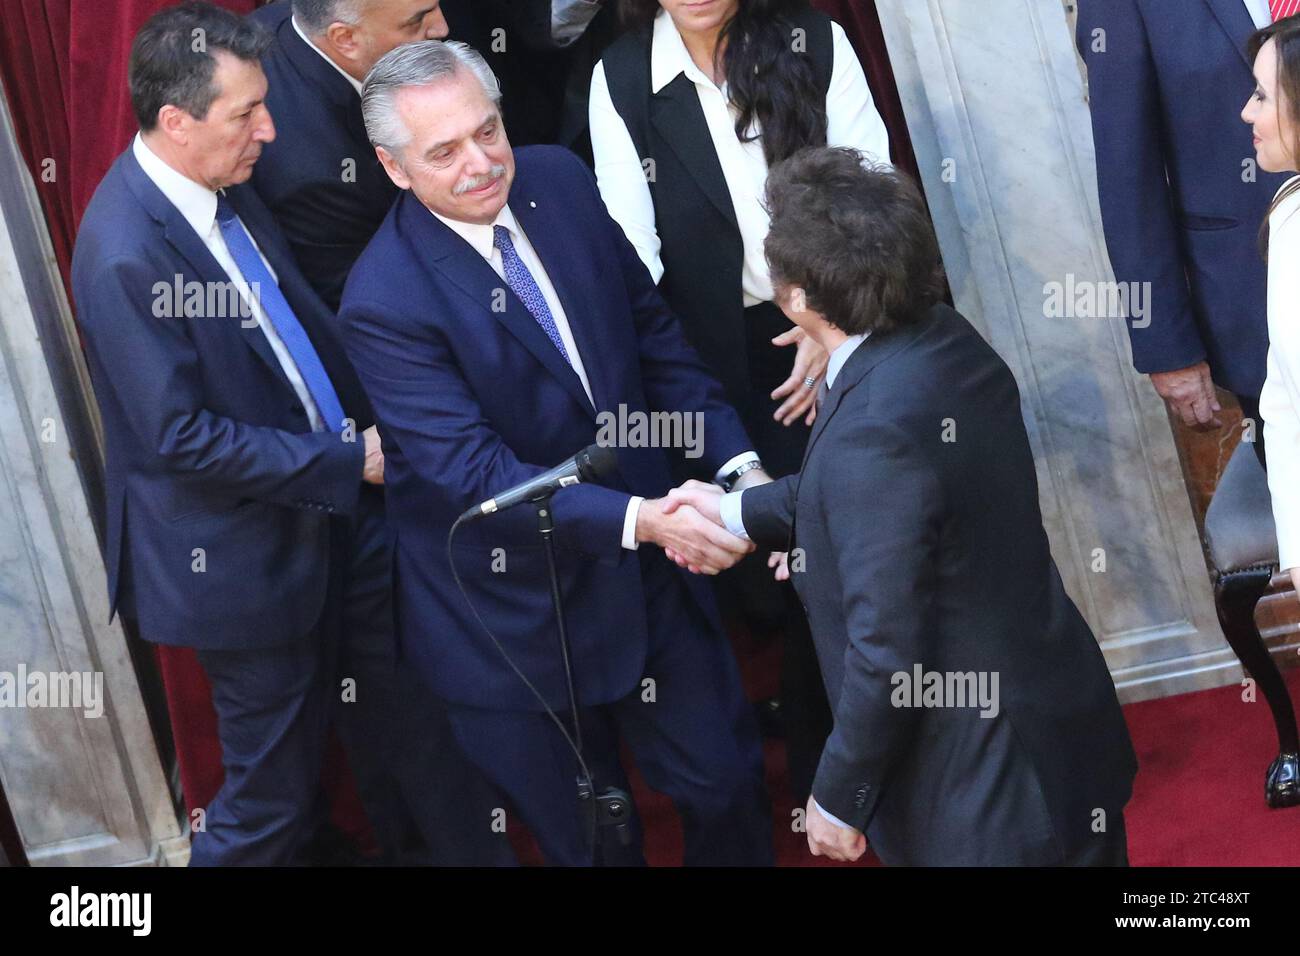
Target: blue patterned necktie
(280, 313)
(523, 284)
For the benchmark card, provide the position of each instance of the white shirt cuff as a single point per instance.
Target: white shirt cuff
(629, 523)
(733, 464)
(831, 817)
(729, 507)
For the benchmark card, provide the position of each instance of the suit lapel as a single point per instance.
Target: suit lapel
(1236, 22)
(866, 357)
(676, 113)
(458, 263)
(182, 237)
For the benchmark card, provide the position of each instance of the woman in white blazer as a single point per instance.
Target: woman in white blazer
(1273, 112)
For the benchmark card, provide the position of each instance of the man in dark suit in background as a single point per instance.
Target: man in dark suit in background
(975, 720)
(243, 471)
(320, 177)
(1181, 198)
(496, 314)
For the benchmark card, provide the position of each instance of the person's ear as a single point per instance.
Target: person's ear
(798, 300)
(175, 123)
(341, 39)
(393, 168)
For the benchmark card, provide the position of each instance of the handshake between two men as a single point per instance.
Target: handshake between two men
(688, 524)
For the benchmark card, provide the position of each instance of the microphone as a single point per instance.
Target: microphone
(593, 462)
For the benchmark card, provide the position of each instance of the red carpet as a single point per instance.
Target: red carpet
(1198, 799)
(1199, 795)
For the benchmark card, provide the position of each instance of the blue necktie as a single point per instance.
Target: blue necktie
(280, 313)
(523, 284)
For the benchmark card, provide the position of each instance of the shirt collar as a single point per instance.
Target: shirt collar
(482, 237)
(669, 56)
(356, 85)
(196, 202)
(841, 355)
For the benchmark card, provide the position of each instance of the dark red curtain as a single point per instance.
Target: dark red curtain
(861, 24)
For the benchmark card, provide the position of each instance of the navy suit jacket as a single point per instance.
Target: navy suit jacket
(320, 177)
(1167, 95)
(207, 446)
(472, 398)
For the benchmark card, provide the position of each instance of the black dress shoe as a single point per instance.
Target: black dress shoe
(1282, 785)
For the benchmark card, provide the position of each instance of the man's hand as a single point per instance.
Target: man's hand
(373, 470)
(688, 537)
(703, 497)
(834, 842)
(1295, 580)
(1189, 392)
(780, 560)
(810, 361)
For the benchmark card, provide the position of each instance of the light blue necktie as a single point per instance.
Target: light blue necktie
(277, 308)
(523, 284)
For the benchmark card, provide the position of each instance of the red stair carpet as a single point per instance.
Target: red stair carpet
(1198, 799)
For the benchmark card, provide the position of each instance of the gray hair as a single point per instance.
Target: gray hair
(315, 16)
(416, 64)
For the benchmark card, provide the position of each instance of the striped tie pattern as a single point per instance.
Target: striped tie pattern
(1283, 8)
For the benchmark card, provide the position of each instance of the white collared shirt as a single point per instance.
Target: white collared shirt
(851, 120)
(352, 80)
(1259, 12)
(198, 205)
(482, 239)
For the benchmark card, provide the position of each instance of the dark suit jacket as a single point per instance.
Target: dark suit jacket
(921, 551)
(207, 445)
(1167, 94)
(472, 398)
(320, 177)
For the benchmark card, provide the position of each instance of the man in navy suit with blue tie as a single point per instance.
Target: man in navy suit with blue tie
(245, 514)
(495, 316)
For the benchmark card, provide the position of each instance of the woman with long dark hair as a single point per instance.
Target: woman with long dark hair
(688, 110)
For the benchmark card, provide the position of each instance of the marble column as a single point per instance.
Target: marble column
(84, 788)
(996, 105)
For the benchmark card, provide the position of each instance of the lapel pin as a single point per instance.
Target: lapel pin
(531, 204)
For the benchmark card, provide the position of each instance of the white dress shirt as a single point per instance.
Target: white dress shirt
(851, 120)
(198, 205)
(356, 84)
(1259, 12)
(1279, 402)
(730, 503)
(481, 238)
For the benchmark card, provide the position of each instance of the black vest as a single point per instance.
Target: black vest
(701, 247)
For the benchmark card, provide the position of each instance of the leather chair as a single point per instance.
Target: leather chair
(1242, 550)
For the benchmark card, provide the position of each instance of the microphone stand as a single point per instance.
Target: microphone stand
(610, 806)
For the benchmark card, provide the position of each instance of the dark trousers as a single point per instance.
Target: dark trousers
(274, 706)
(691, 733)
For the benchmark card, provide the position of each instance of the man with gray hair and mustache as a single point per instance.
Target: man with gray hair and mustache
(497, 310)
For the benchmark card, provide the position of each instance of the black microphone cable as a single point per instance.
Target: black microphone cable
(555, 718)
